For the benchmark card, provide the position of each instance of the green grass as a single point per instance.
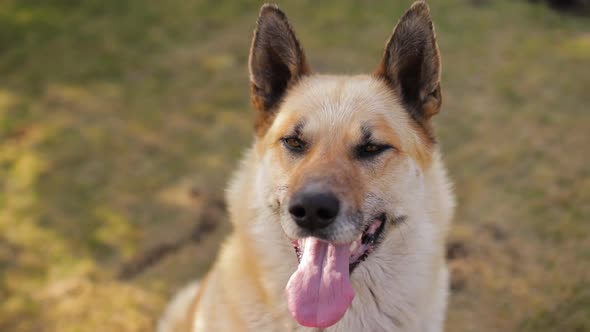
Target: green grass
(113, 112)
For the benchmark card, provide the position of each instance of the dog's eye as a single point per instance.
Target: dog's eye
(294, 144)
(370, 150)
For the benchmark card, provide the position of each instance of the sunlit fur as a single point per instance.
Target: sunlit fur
(403, 284)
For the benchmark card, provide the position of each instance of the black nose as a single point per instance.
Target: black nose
(314, 210)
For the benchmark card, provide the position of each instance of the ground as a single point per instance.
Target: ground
(120, 122)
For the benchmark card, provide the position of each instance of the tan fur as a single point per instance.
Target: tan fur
(402, 286)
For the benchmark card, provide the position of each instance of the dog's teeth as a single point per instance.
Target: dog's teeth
(354, 246)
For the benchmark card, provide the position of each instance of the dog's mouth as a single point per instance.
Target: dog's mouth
(319, 292)
(360, 248)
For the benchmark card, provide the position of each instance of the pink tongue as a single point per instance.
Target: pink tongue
(320, 292)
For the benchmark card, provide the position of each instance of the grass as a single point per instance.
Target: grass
(112, 113)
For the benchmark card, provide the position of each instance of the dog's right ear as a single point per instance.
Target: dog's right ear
(276, 62)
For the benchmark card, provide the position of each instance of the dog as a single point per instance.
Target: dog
(341, 207)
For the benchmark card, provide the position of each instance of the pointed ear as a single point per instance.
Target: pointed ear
(276, 62)
(411, 63)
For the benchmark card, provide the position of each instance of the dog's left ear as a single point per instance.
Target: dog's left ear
(411, 63)
(276, 62)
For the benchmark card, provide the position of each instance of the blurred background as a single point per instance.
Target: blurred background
(120, 122)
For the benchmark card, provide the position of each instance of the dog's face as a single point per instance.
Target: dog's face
(339, 155)
(352, 143)
(348, 143)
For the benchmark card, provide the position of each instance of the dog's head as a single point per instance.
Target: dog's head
(342, 157)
